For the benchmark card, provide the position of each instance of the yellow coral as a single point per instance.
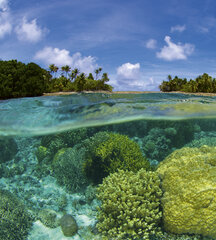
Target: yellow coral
(130, 205)
(189, 185)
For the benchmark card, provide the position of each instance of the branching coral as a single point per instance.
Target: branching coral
(50, 144)
(106, 152)
(15, 221)
(157, 144)
(130, 205)
(67, 167)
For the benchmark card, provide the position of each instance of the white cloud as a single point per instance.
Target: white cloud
(178, 28)
(29, 31)
(5, 19)
(128, 78)
(128, 71)
(5, 24)
(175, 51)
(62, 57)
(151, 44)
(4, 5)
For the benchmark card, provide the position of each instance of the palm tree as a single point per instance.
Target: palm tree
(67, 70)
(105, 78)
(74, 73)
(97, 72)
(169, 77)
(53, 68)
(63, 70)
(80, 82)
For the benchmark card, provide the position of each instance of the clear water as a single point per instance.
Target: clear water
(44, 146)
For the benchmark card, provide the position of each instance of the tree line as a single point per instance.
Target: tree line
(18, 79)
(203, 83)
(74, 80)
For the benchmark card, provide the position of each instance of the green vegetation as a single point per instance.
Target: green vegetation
(18, 79)
(130, 205)
(22, 80)
(203, 83)
(74, 80)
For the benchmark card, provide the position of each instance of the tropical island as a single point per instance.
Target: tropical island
(18, 79)
(202, 84)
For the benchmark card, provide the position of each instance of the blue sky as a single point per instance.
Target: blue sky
(137, 42)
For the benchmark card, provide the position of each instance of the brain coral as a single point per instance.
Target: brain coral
(130, 205)
(189, 185)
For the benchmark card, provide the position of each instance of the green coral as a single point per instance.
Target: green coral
(210, 141)
(51, 144)
(41, 153)
(158, 143)
(106, 152)
(8, 149)
(15, 221)
(130, 205)
(67, 167)
(48, 217)
(189, 184)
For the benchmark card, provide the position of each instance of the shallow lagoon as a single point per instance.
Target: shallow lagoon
(56, 150)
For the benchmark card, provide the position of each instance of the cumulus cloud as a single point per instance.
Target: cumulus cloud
(5, 19)
(29, 31)
(178, 28)
(175, 51)
(128, 71)
(128, 77)
(62, 57)
(151, 44)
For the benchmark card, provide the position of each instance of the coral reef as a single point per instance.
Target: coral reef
(15, 220)
(8, 149)
(189, 185)
(48, 217)
(106, 152)
(67, 166)
(68, 225)
(50, 144)
(158, 143)
(130, 205)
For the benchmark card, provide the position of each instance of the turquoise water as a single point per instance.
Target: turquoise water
(61, 156)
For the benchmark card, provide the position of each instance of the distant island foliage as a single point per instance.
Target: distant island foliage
(203, 84)
(18, 79)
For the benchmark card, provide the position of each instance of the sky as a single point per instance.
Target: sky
(137, 42)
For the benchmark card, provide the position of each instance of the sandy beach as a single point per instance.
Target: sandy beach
(125, 92)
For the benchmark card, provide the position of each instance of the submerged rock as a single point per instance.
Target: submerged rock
(68, 225)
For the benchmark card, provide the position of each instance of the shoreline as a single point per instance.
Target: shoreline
(127, 92)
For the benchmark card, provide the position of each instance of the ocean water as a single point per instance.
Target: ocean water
(108, 166)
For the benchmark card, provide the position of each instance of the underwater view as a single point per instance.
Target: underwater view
(108, 166)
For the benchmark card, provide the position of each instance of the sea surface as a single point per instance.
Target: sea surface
(108, 166)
